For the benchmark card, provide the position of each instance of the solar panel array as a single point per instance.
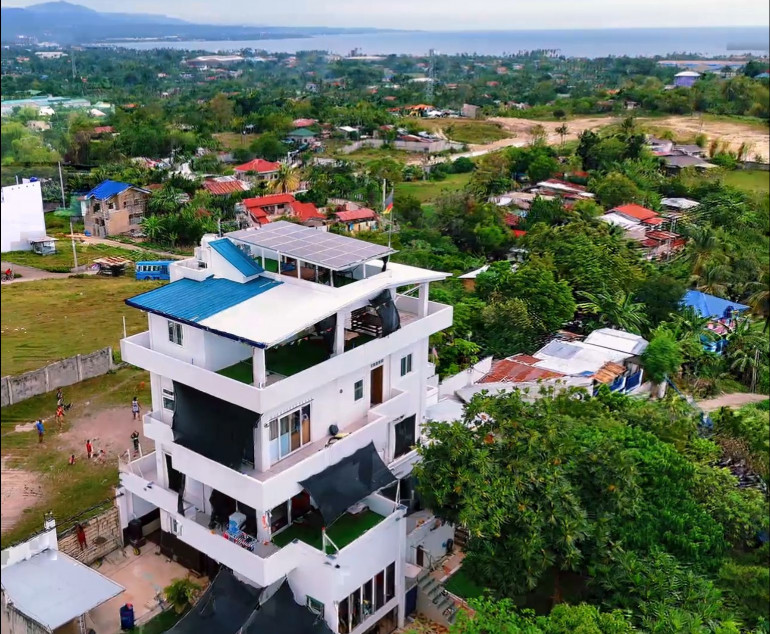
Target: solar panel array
(328, 250)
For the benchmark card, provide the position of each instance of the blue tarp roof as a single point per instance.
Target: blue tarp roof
(191, 301)
(236, 257)
(108, 189)
(711, 306)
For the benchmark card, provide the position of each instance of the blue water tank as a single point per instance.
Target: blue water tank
(127, 617)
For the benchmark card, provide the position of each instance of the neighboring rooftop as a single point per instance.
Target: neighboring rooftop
(679, 203)
(356, 215)
(635, 211)
(321, 248)
(236, 257)
(226, 187)
(619, 340)
(258, 165)
(52, 588)
(107, 189)
(711, 306)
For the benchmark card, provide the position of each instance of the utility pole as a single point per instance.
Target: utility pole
(429, 87)
(74, 250)
(61, 184)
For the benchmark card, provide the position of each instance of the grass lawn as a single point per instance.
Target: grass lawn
(345, 530)
(67, 490)
(749, 180)
(48, 320)
(367, 154)
(62, 262)
(467, 130)
(426, 191)
(161, 623)
(235, 140)
(463, 586)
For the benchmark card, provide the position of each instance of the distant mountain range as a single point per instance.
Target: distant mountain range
(69, 23)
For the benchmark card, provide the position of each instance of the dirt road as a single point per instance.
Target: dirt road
(735, 401)
(29, 274)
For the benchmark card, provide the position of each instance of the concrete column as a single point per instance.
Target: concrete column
(400, 576)
(259, 366)
(339, 334)
(422, 307)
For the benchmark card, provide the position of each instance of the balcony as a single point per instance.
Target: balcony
(304, 373)
(344, 531)
(266, 489)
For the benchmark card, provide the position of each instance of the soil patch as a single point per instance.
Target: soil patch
(20, 490)
(108, 429)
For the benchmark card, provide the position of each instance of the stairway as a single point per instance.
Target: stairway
(434, 602)
(461, 537)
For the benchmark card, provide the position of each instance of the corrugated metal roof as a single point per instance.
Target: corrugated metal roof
(192, 301)
(224, 188)
(108, 189)
(236, 257)
(710, 305)
(52, 588)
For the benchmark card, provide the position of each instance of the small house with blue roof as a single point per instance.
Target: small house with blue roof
(113, 208)
(721, 313)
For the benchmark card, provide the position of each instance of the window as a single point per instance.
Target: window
(175, 332)
(406, 365)
(404, 436)
(364, 601)
(358, 390)
(315, 606)
(168, 399)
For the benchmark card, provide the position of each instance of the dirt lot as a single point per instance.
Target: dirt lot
(21, 489)
(734, 133)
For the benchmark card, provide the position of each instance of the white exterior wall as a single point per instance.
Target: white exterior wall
(22, 216)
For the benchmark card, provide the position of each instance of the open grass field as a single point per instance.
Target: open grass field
(467, 130)
(749, 180)
(48, 320)
(426, 191)
(234, 140)
(62, 261)
(368, 154)
(66, 490)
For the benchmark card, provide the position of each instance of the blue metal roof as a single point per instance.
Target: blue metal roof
(108, 189)
(191, 301)
(236, 257)
(710, 305)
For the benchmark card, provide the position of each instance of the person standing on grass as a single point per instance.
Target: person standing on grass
(59, 415)
(135, 440)
(59, 398)
(89, 449)
(135, 408)
(40, 430)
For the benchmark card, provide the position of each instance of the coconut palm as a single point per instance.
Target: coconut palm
(747, 350)
(164, 201)
(616, 309)
(562, 131)
(287, 180)
(153, 228)
(702, 245)
(712, 278)
(760, 299)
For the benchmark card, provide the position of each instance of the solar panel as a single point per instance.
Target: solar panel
(328, 250)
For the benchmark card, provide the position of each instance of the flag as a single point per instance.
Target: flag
(388, 204)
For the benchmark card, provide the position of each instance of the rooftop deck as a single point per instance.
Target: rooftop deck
(344, 531)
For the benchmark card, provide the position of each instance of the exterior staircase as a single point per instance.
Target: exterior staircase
(433, 600)
(461, 537)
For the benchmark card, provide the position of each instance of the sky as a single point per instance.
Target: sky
(450, 14)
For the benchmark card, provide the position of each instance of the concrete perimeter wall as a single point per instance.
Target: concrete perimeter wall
(20, 387)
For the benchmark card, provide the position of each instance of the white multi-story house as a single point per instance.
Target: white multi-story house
(290, 375)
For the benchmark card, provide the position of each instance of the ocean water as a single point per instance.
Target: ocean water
(572, 43)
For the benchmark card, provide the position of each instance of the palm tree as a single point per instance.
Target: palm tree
(712, 278)
(702, 245)
(617, 309)
(760, 299)
(747, 350)
(164, 201)
(562, 131)
(287, 180)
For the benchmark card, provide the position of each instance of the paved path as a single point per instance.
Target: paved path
(739, 399)
(29, 274)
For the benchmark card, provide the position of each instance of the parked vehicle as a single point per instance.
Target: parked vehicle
(153, 270)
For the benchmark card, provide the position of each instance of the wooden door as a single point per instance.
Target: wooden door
(376, 386)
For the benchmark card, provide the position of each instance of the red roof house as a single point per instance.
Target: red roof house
(263, 209)
(518, 369)
(634, 212)
(225, 188)
(258, 166)
(356, 215)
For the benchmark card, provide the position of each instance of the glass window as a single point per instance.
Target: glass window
(274, 429)
(367, 606)
(315, 606)
(168, 399)
(175, 332)
(390, 582)
(343, 614)
(405, 431)
(406, 365)
(358, 390)
(292, 430)
(355, 608)
(379, 590)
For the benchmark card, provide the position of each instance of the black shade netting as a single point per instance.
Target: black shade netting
(326, 328)
(387, 312)
(214, 428)
(223, 608)
(349, 481)
(280, 613)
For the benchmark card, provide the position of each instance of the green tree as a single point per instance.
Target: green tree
(508, 327)
(222, 111)
(615, 309)
(269, 147)
(662, 357)
(286, 180)
(542, 168)
(615, 189)
(660, 294)
(181, 593)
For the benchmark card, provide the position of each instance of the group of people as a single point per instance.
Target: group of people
(100, 455)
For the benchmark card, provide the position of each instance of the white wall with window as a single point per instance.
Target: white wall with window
(164, 339)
